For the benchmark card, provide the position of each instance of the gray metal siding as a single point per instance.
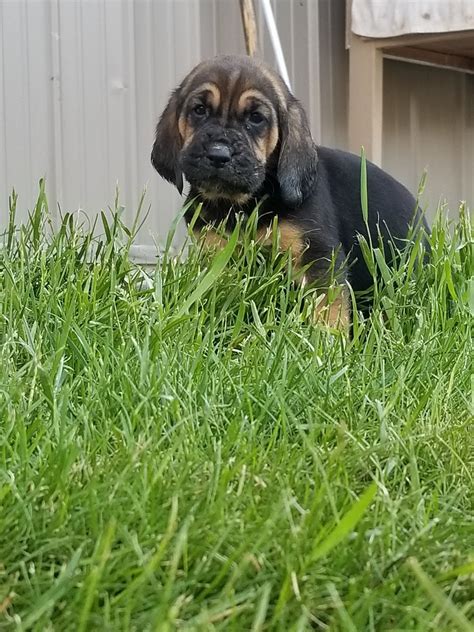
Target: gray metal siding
(81, 86)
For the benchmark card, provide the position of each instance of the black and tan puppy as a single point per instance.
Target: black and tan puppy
(238, 136)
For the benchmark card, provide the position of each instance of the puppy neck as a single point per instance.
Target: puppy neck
(216, 209)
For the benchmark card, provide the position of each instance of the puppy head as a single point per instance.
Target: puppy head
(230, 125)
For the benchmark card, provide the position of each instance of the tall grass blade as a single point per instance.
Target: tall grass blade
(346, 524)
(217, 267)
(445, 604)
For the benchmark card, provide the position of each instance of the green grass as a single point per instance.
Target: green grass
(196, 455)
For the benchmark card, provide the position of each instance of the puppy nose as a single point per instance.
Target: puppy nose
(219, 154)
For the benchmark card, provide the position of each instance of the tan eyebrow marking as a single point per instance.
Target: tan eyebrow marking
(210, 87)
(253, 93)
(215, 97)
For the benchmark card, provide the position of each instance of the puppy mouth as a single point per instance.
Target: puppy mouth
(220, 183)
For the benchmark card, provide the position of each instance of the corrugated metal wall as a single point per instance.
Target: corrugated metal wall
(82, 83)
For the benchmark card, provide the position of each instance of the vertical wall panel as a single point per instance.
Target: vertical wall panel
(334, 73)
(16, 116)
(147, 84)
(27, 143)
(117, 89)
(229, 33)
(301, 83)
(39, 102)
(71, 125)
(90, 93)
(207, 23)
(82, 83)
(172, 46)
(428, 125)
(3, 125)
(164, 199)
(314, 69)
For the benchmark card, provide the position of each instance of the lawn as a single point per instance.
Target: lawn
(188, 451)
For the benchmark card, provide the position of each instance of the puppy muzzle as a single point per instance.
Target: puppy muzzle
(222, 161)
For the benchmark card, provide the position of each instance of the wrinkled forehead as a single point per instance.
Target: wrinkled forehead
(228, 86)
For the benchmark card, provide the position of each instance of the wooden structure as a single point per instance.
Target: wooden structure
(249, 23)
(454, 50)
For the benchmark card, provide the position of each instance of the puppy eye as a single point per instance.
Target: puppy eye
(199, 110)
(256, 118)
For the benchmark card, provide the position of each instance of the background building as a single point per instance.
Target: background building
(83, 82)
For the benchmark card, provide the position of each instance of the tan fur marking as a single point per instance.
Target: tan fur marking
(272, 140)
(264, 146)
(212, 89)
(260, 150)
(290, 238)
(185, 131)
(276, 85)
(215, 93)
(189, 139)
(182, 125)
(334, 315)
(213, 100)
(251, 93)
(236, 198)
(210, 239)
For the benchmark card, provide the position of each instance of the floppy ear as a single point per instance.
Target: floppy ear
(167, 145)
(296, 170)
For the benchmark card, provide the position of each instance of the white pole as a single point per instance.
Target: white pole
(275, 38)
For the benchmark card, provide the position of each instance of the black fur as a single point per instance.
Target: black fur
(167, 145)
(297, 159)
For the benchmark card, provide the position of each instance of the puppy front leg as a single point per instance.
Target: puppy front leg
(210, 239)
(334, 311)
(333, 300)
